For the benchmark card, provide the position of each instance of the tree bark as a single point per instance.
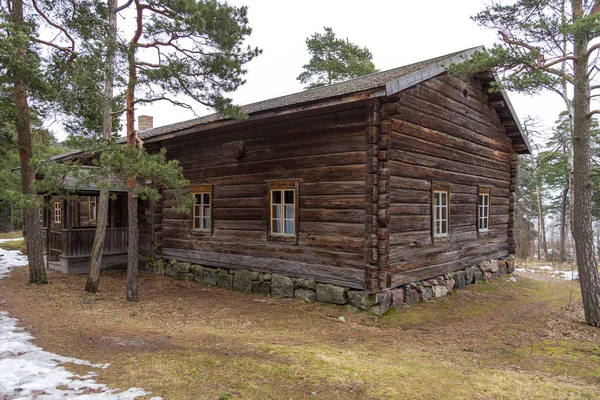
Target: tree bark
(31, 220)
(132, 140)
(133, 246)
(582, 193)
(93, 280)
(563, 223)
(542, 224)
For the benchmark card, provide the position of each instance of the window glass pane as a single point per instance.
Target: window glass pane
(444, 229)
(444, 198)
(289, 197)
(205, 223)
(197, 223)
(289, 212)
(276, 226)
(276, 196)
(276, 211)
(289, 226)
(206, 198)
(436, 199)
(206, 212)
(198, 198)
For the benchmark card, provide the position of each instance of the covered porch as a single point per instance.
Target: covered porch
(70, 225)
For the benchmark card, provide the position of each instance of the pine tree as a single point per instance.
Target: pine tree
(334, 60)
(552, 44)
(22, 79)
(199, 54)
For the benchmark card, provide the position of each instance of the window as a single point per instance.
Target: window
(92, 207)
(201, 213)
(57, 212)
(283, 212)
(440, 213)
(483, 210)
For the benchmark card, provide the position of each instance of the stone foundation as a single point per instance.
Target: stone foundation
(309, 290)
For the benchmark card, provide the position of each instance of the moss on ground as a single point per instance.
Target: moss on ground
(187, 340)
(11, 235)
(14, 245)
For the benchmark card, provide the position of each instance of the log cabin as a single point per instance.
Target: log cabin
(370, 184)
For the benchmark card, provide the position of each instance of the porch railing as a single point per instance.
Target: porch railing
(78, 242)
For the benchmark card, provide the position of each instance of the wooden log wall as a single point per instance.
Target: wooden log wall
(147, 228)
(324, 150)
(378, 195)
(444, 130)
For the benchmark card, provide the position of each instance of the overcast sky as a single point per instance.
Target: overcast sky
(398, 32)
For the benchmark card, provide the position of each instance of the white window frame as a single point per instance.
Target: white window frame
(281, 234)
(200, 212)
(92, 211)
(441, 213)
(483, 211)
(57, 211)
(282, 223)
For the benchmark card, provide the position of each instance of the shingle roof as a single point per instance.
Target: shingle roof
(392, 80)
(371, 81)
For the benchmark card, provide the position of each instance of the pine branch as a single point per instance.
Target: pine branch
(172, 101)
(71, 49)
(124, 6)
(147, 64)
(161, 12)
(589, 115)
(54, 45)
(540, 57)
(592, 49)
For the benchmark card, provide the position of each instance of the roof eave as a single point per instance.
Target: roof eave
(518, 125)
(414, 78)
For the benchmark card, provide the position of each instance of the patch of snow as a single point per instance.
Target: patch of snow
(10, 259)
(567, 275)
(533, 271)
(10, 240)
(27, 371)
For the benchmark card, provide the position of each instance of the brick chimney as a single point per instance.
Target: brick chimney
(145, 122)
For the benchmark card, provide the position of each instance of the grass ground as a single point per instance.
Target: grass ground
(185, 340)
(13, 244)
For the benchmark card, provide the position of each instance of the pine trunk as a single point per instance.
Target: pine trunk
(542, 225)
(132, 248)
(132, 201)
(93, 281)
(31, 220)
(563, 225)
(582, 194)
